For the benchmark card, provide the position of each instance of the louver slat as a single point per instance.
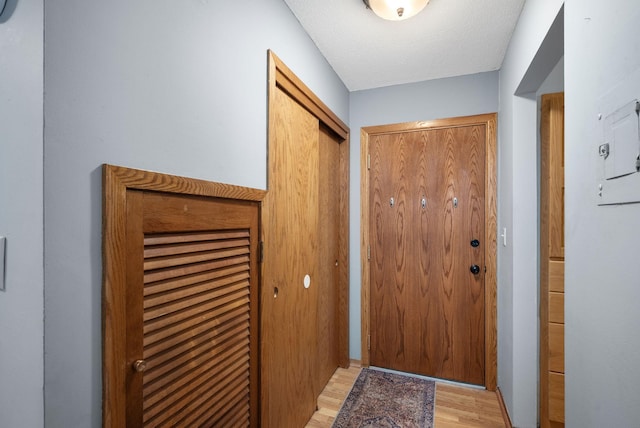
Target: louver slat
(196, 329)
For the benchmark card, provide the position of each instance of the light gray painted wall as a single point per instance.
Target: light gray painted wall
(517, 211)
(602, 280)
(554, 81)
(21, 305)
(149, 85)
(434, 99)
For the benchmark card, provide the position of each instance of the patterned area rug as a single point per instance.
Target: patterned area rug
(387, 400)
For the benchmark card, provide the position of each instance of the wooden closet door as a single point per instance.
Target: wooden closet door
(191, 310)
(304, 322)
(291, 249)
(328, 257)
(396, 298)
(552, 262)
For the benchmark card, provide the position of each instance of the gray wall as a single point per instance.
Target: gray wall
(21, 319)
(434, 99)
(529, 60)
(151, 85)
(602, 303)
(554, 81)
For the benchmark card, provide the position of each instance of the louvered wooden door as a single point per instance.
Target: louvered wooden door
(191, 311)
(427, 270)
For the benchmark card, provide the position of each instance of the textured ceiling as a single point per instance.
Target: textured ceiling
(448, 38)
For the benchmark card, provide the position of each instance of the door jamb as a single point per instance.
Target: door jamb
(490, 121)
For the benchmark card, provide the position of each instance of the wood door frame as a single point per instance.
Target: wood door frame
(490, 121)
(281, 77)
(551, 221)
(116, 182)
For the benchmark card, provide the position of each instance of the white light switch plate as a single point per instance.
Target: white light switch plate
(3, 241)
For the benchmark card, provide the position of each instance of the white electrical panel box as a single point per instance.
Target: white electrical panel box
(618, 146)
(622, 141)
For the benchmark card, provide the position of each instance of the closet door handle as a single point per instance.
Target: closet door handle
(139, 366)
(475, 269)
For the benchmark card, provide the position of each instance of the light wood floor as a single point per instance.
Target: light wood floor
(455, 406)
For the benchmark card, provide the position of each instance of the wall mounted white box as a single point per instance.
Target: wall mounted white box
(618, 145)
(621, 134)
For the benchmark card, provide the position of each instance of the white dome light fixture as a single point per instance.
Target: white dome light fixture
(396, 10)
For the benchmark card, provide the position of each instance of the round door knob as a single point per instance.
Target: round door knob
(140, 366)
(475, 269)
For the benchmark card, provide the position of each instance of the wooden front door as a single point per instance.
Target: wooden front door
(305, 269)
(427, 252)
(181, 304)
(552, 261)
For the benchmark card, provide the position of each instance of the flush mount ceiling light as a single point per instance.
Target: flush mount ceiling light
(396, 10)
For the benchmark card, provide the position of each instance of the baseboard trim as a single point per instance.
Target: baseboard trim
(503, 408)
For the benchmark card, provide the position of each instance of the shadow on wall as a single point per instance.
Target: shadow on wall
(7, 9)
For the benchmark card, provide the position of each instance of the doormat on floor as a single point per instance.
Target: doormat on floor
(387, 400)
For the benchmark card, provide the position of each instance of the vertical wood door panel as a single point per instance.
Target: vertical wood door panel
(328, 257)
(555, 269)
(556, 308)
(470, 157)
(291, 252)
(556, 398)
(427, 308)
(554, 129)
(556, 347)
(134, 306)
(392, 252)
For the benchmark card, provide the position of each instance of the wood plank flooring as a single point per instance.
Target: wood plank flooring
(333, 395)
(466, 407)
(456, 407)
